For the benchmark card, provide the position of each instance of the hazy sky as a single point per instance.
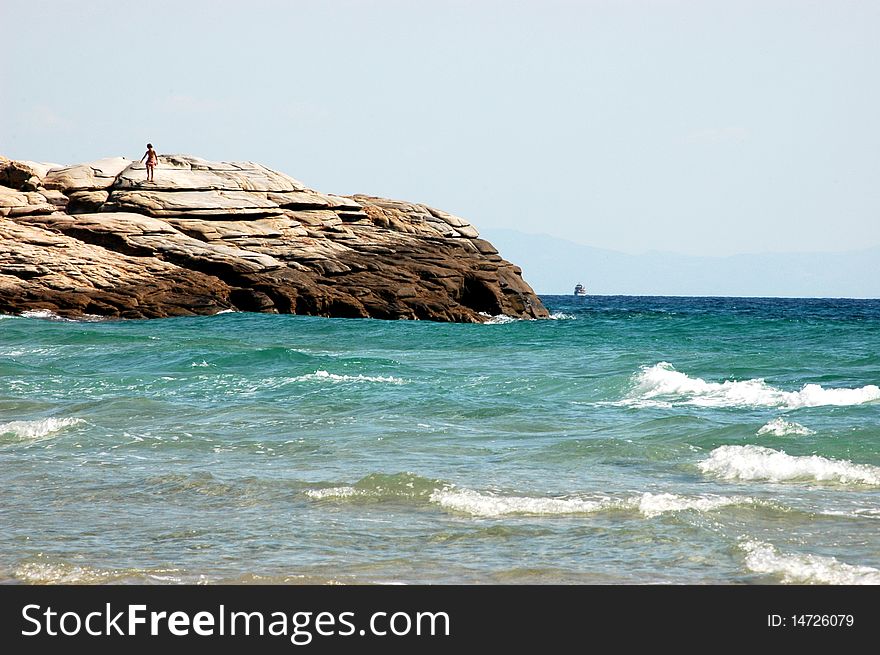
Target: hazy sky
(693, 126)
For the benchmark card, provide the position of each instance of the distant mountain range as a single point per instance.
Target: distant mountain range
(553, 266)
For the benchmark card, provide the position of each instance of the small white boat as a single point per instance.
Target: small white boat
(580, 290)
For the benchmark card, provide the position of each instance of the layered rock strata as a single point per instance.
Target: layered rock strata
(204, 237)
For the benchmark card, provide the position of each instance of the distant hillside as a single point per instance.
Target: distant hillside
(553, 265)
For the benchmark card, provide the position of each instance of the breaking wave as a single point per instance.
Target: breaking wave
(34, 430)
(651, 505)
(47, 314)
(42, 313)
(325, 376)
(779, 427)
(45, 573)
(489, 504)
(486, 505)
(380, 486)
(762, 557)
(662, 385)
(648, 505)
(759, 463)
(498, 319)
(502, 319)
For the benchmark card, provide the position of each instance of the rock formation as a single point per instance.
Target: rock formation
(97, 238)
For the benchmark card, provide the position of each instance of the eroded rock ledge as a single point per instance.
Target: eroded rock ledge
(96, 238)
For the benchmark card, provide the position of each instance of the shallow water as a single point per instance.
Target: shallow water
(630, 440)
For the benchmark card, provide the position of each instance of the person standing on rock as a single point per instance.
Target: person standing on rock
(152, 159)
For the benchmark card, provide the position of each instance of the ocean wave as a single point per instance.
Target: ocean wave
(762, 557)
(759, 463)
(38, 429)
(202, 483)
(651, 505)
(661, 385)
(49, 315)
(779, 427)
(503, 319)
(648, 505)
(490, 504)
(21, 352)
(498, 319)
(334, 492)
(67, 573)
(325, 376)
(42, 313)
(487, 505)
(465, 501)
(858, 513)
(380, 486)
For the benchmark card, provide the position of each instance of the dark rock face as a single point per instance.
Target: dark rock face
(97, 238)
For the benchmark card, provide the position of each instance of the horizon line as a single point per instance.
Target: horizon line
(684, 254)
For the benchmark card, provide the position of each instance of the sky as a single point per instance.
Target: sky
(696, 127)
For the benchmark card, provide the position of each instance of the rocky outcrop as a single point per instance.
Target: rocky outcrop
(97, 238)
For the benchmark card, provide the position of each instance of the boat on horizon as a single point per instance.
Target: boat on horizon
(580, 290)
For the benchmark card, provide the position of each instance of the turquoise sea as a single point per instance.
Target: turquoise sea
(628, 440)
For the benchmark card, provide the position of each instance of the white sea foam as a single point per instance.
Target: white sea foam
(200, 364)
(20, 352)
(485, 504)
(499, 319)
(334, 492)
(46, 573)
(860, 513)
(502, 319)
(48, 314)
(66, 573)
(869, 512)
(779, 427)
(38, 429)
(325, 376)
(661, 384)
(651, 505)
(762, 557)
(759, 463)
(41, 313)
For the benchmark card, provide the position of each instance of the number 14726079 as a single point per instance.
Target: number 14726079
(811, 621)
